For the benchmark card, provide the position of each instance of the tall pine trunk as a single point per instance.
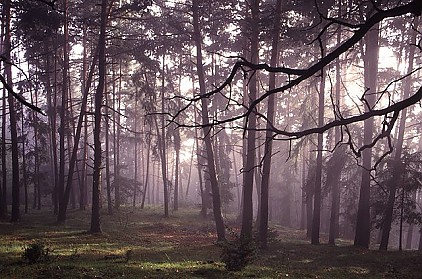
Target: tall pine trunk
(12, 116)
(397, 166)
(363, 224)
(216, 201)
(96, 178)
(247, 213)
(263, 220)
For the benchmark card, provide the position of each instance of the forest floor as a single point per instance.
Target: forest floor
(181, 246)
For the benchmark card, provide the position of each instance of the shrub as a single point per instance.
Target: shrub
(35, 252)
(237, 254)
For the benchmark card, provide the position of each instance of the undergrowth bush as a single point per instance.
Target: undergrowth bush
(237, 253)
(36, 252)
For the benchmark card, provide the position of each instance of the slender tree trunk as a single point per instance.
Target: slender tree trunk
(116, 129)
(190, 171)
(3, 206)
(216, 202)
(52, 109)
(63, 108)
(12, 116)
(24, 177)
(96, 179)
(316, 220)
(335, 189)
(73, 157)
(409, 236)
(303, 205)
(107, 158)
(162, 144)
(397, 166)
(135, 154)
(363, 224)
(247, 213)
(176, 177)
(146, 175)
(263, 224)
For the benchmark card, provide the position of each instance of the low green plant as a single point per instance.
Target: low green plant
(36, 252)
(237, 254)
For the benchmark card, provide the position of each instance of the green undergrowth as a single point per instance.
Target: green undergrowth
(139, 243)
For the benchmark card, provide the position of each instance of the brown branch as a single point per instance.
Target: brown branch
(18, 97)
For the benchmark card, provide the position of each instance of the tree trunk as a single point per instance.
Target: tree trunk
(247, 213)
(96, 179)
(63, 110)
(263, 224)
(335, 189)
(146, 174)
(3, 192)
(316, 220)
(107, 158)
(363, 224)
(176, 176)
(24, 175)
(397, 166)
(303, 205)
(116, 145)
(12, 116)
(61, 217)
(206, 128)
(162, 144)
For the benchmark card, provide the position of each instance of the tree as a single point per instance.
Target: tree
(12, 115)
(263, 224)
(363, 226)
(216, 202)
(247, 212)
(96, 179)
(397, 169)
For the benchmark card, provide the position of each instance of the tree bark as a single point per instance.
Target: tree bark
(266, 169)
(63, 109)
(176, 176)
(397, 166)
(247, 213)
(316, 220)
(61, 217)
(206, 128)
(12, 116)
(96, 179)
(335, 189)
(363, 224)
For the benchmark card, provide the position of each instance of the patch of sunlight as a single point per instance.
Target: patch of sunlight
(358, 270)
(306, 261)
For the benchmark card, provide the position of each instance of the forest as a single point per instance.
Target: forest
(206, 139)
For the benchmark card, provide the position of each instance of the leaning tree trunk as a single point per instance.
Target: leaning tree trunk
(61, 217)
(96, 178)
(263, 220)
(216, 201)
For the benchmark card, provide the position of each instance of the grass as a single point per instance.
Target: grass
(181, 246)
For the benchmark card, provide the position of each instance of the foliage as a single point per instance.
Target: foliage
(36, 252)
(238, 253)
(410, 178)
